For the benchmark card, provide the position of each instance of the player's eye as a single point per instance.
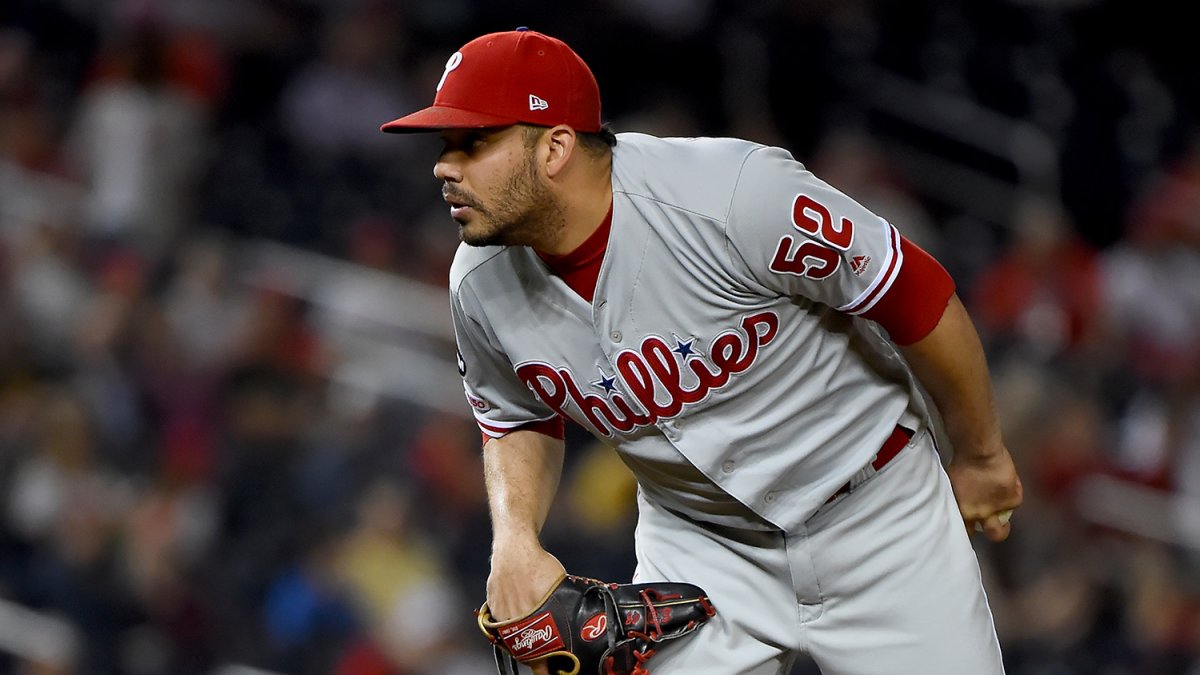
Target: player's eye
(468, 142)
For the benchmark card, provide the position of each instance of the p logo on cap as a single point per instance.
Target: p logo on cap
(494, 77)
(451, 64)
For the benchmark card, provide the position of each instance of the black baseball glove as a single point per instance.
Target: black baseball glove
(596, 628)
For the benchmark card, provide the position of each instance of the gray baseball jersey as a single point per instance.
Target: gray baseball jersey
(721, 356)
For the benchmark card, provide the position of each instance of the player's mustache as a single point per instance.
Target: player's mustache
(453, 194)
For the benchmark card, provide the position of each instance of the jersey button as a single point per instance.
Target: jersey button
(615, 335)
(770, 498)
(727, 466)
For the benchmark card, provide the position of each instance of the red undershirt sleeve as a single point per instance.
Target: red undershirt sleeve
(917, 298)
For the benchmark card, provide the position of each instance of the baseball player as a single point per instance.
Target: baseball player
(749, 340)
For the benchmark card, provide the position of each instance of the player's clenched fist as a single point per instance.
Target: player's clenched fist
(987, 489)
(521, 577)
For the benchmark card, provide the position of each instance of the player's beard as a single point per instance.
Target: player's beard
(523, 212)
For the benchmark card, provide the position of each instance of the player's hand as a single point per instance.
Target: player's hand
(987, 489)
(521, 577)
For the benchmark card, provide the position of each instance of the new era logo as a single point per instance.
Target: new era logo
(536, 103)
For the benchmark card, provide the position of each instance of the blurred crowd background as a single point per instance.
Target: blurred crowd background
(231, 434)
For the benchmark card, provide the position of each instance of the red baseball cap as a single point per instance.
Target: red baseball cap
(502, 79)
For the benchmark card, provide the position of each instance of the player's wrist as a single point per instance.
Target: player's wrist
(506, 540)
(975, 441)
(981, 452)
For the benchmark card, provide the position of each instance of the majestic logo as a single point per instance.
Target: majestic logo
(860, 264)
(594, 628)
(650, 372)
(531, 638)
(536, 103)
(454, 61)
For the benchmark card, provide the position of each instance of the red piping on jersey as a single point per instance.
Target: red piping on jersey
(553, 427)
(913, 305)
(581, 268)
(885, 280)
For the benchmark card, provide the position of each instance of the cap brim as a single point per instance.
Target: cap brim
(435, 118)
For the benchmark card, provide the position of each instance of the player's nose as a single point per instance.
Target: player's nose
(447, 171)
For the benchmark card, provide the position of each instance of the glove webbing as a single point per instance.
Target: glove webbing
(653, 633)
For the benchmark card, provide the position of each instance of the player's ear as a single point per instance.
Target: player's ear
(561, 145)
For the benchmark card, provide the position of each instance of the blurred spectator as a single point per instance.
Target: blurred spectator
(1042, 295)
(335, 104)
(398, 579)
(347, 299)
(206, 309)
(168, 535)
(308, 617)
(67, 506)
(260, 506)
(1152, 284)
(278, 334)
(599, 492)
(34, 188)
(1165, 611)
(137, 140)
(851, 160)
(1150, 277)
(1066, 442)
(103, 337)
(16, 48)
(49, 290)
(447, 462)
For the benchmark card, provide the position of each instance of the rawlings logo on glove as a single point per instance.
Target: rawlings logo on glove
(588, 626)
(531, 638)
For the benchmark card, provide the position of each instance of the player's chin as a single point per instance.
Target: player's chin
(477, 234)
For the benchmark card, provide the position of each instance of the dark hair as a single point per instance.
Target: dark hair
(599, 142)
(594, 143)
